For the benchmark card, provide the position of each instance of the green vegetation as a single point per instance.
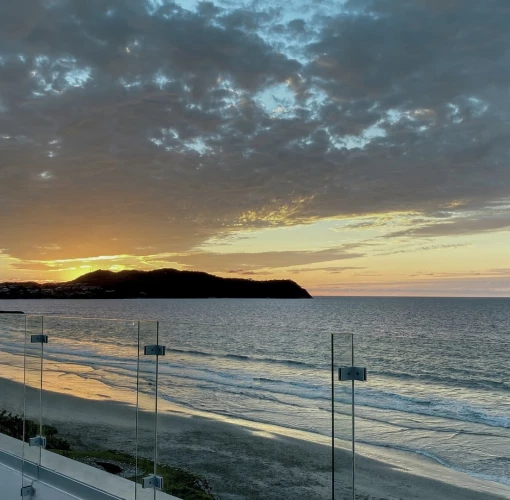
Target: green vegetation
(12, 425)
(178, 482)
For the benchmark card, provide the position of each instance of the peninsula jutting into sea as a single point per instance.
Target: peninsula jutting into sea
(160, 283)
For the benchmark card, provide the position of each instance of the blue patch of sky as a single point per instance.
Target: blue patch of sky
(197, 145)
(58, 75)
(454, 113)
(168, 137)
(316, 101)
(171, 132)
(78, 77)
(282, 14)
(277, 100)
(130, 84)
(165, 133)
(160, 79)
(153, 6)
(41, 60)
(358, 141)
(479, 107)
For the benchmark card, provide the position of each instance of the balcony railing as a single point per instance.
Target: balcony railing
(95, 408)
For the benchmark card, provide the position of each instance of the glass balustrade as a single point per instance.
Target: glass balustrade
(89, 393)
(149, 479)
(34, 433)
(430, 421)
(182, 408)
(437, 409)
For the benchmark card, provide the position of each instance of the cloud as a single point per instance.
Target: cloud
(468, 274)
(32, 266)
(454, 286)
(216, 262)
(330, 270)
(125, 125)
(244, 272)
(423, 248)
(458, 227)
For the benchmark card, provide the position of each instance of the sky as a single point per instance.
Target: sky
(358, 147)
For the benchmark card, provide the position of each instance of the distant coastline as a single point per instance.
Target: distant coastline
(157, 284)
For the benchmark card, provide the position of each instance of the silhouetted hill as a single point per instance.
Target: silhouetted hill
(171, 283)
(160, 283)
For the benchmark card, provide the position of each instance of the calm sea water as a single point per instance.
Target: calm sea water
(439, 369)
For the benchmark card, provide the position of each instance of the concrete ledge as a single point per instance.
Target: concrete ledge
(60, 474)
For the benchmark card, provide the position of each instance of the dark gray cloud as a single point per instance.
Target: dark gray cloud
(128, 124)
(463, 226)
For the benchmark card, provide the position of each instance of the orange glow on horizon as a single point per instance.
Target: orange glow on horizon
(331, 257)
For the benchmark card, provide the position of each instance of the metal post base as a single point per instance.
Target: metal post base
(154, 482)
(27, 491)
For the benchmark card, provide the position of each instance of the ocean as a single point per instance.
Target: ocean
(438, 368)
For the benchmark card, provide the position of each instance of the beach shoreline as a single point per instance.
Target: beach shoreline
(250, 461)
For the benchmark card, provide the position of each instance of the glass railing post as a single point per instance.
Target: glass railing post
(332, 416)
(353, 418)
(343, 406)
(341, 421)
(33, 432)
(160, 351)
(149, 351)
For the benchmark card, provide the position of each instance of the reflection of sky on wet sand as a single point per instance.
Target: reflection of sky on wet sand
(71, 379)
(63, 378)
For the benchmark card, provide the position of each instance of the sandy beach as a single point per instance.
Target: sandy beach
(245, 462)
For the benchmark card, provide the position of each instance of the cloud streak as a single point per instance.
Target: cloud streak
(459, 227)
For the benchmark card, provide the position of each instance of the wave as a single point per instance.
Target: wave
(307, 394)
(469, 382)
(237, 356)
(443, 408)
(243, 357)
(193, 353)
(488, 477)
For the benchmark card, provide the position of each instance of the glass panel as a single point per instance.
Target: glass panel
(12, 349)
(33, 397)
(342, 418)
(89, 404)
(147, 409)
(436, 408)
(243, 422)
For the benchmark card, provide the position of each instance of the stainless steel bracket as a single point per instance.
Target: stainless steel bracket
(154, 482)
(27, 491)
(154, 350)
(352, 373)
(39, 441)
(39, 339)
